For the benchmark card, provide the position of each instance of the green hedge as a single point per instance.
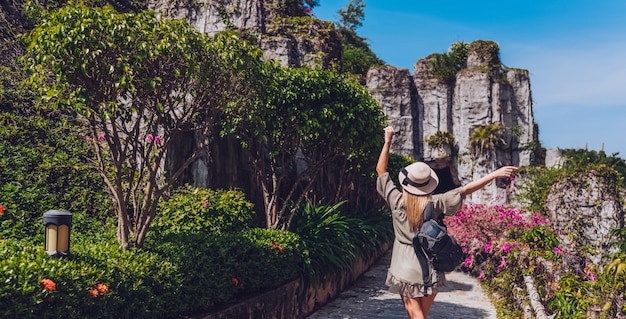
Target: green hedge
(44, 166)
(192, 209)
(188, 275)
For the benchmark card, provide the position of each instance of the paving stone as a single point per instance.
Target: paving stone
(368, 298)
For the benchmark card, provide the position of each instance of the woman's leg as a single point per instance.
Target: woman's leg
(426, 302)
(418, 308)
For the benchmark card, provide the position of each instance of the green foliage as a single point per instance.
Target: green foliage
(447, 65)
(196, 210)
(440, 139)
(179, 273)
(538, 180)
(333, 240)
(44, 166)
(486, 138)
(351, 17)
(214, 268)
(488, 51)
(356, 57)
(577, 159)
(396, 163)
(609, 289)
(139, 283)
(139, 82)
(301, 108)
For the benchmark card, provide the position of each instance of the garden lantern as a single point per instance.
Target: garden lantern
(57, 232)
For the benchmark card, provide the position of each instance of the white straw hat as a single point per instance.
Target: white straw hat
(418, 179)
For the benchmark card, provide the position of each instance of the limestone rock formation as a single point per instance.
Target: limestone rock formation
(584, 209)
(284, 29)
(483, 95)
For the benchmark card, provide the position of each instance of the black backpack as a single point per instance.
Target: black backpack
(433, 245)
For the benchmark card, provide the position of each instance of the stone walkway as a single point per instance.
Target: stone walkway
(368, 298)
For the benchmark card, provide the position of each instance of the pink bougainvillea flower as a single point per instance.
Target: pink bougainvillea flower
(48, 284)
(235, 281)
(2, 209)
(149, 138)
(591, 276)
(506, 248)
(502, 262)
(206, 203)
(102, 288)
(558, 250)
(468, 261)
(88, 138)
(488, 247)
(482, 275)
(101, 137)
(157, 140)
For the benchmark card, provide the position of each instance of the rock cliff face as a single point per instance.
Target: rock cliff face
(584, 209)
(482, 95)
(286, 32)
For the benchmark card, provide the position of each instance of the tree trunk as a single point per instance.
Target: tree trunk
(535, 299)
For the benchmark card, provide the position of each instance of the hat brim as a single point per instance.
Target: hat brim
(424, 190)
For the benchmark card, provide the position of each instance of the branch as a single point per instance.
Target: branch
(535, 299)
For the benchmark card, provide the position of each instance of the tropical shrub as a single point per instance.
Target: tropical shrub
(520, 261)
(45, 166)
(333, 241)
(445, 66)
(195, 210)
(439, 139)
(98, 280)
(486, 138)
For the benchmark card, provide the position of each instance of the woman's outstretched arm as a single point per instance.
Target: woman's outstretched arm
(383, 158)
(505, 171)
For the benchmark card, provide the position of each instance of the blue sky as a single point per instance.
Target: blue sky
(575, 52)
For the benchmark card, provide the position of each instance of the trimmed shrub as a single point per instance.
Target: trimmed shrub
(192, 210)
(99, 280)
(44, 165)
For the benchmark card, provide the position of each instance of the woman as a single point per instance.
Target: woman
(418, 182)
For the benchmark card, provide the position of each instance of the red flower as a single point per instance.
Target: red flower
(1, 210)
(48, 284)
(93, 292)
(235, 281)
(277, 247)
(102, 288)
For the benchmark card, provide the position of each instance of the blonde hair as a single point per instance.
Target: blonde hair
(414, 207)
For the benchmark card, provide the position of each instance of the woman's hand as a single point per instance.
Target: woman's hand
(505, 171)
(388, 134)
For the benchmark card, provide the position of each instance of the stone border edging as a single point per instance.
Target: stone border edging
(290, 300)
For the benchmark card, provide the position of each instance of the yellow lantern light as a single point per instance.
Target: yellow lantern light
(57, 232)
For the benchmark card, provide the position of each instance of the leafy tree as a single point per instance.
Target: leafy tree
(313, 119)
(357, 57)
(137, 83)
(351, 17)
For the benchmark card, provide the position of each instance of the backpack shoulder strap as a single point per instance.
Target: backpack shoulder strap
(424, 262)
